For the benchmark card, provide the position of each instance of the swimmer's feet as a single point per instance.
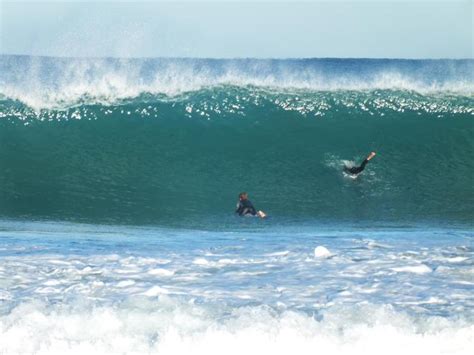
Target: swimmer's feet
(371, 155)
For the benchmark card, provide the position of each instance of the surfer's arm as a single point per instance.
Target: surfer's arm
(240, 208)
(364, 163)
(370, 156)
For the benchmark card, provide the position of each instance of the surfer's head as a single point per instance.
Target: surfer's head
(243, 196)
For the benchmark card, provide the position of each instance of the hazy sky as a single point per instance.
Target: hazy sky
(192, 28)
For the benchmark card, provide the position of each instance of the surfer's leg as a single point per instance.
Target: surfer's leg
(249, 212)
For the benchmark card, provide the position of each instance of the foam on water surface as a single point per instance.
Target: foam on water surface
(98, 289)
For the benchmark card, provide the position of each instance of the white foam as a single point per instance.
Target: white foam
(227, 261)
(125, 283)
(99, 81)
(279, 253)
(46, 290)
(457, 259)
(52, 283)
(167, 327)
(154, 300)
(161, 272)
(322, 252)
(417, 269)
(5, 296)
(155, 291)
(200, 261)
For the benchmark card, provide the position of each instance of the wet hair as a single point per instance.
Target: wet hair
(242, 194)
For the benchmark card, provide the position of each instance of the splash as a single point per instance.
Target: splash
(43, 82)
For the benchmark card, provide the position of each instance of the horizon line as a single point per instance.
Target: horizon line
(234, 58)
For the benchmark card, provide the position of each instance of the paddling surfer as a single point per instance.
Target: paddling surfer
(356, 170)
(245, 207)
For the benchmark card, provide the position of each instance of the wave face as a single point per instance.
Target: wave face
(174, 140)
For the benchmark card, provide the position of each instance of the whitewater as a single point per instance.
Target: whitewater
(118, 184)
(69, 288)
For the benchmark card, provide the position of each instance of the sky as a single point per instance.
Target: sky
(239, 29)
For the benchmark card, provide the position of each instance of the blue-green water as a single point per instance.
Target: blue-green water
(173, 142)
(118, 184)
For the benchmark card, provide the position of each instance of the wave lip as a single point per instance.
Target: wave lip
(45, 83)
(227, 102)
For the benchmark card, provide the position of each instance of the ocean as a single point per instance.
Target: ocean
(119, 180)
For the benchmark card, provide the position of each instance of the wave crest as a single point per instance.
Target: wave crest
(227, 102)
(45, 83)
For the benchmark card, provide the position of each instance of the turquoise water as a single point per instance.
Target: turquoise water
(118, 184)
(172, 142)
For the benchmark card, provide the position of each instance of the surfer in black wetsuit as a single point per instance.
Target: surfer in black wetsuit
(355, 170)
(245, 207)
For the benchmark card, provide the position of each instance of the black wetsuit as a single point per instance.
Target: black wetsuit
(245, 207)
(356, 169)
